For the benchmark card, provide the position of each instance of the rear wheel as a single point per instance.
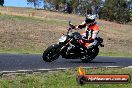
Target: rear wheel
(90, 55)
(51, 53)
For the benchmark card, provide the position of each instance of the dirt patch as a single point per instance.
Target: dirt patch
(26, 34)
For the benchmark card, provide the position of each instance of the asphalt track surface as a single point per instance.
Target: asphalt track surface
(12, 62)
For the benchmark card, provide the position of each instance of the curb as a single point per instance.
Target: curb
(33, 71)
(56, 69)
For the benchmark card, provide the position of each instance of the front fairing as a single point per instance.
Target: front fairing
(63, 38)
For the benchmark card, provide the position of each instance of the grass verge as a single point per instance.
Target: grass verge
(60, 79)
(115, 54)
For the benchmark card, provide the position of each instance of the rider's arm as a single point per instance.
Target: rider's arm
(82, 25)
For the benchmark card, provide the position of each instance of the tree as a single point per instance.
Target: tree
(89, 6)
(116, 10)
(86, 7)
(96, 4)
(34, 2)
(54, 3)
(74, 4)
(1, 2)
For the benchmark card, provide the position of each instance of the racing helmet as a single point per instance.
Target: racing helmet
(90, 18)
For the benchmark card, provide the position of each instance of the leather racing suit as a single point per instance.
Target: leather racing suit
(91, 34)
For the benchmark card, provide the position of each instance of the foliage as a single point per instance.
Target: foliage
(116, 10)
(112, 10)
(1, 2)
(34, 2)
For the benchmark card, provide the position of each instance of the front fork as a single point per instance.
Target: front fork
(68, 43)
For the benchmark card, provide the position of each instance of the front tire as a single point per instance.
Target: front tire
(91, 55)
(51, 53)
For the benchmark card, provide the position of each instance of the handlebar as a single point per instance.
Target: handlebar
(71, 26)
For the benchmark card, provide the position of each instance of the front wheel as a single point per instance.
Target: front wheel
(51, 53)
(92, 53)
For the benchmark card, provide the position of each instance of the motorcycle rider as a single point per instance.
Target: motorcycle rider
(92, 30)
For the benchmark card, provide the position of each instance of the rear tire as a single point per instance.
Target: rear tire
(90, 56)
(51, 53)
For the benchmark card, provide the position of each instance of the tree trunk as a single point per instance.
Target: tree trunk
(57, 7)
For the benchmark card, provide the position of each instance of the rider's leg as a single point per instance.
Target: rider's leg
(92, 44)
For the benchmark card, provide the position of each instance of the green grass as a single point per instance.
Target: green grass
(60, 79)
(21, 51)
(115, 54)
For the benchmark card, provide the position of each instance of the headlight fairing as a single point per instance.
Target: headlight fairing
(63, 38)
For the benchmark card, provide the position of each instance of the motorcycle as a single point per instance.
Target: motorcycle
(69, 47)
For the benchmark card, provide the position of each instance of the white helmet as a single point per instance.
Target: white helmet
(90, 18)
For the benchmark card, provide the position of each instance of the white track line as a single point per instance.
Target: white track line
(44, 69)
(56, 69)
(24, 70)
(128, 67)
(62, 68)
(112, 66)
